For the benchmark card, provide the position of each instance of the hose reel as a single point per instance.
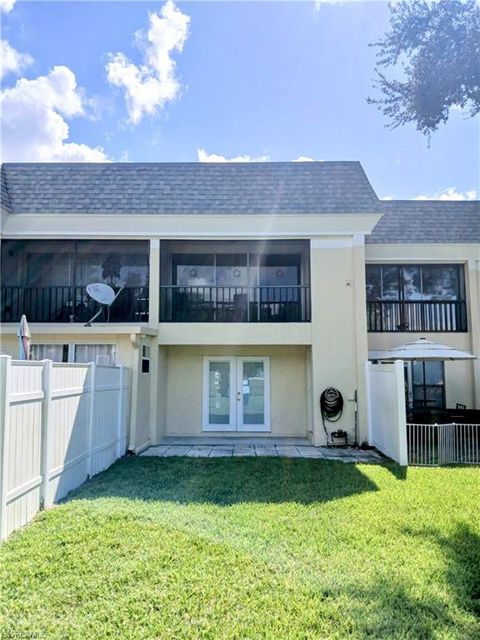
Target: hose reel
(331, 407)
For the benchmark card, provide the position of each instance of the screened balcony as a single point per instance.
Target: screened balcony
(46, 280)
(235, 282)
(416, 298)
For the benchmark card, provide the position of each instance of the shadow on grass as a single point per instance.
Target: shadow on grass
(391, 609)
(396, 470)
(226, 481)
(461, 550)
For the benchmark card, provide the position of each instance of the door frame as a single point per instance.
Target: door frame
(235, 423)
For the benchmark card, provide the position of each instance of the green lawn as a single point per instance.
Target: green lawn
(250, 548)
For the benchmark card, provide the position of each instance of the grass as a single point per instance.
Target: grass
(250, 548)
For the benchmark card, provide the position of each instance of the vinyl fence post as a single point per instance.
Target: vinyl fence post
(120, 413)
(401, 414)
(91, 417)
(368, 399)
(5, 369)
(45, 457)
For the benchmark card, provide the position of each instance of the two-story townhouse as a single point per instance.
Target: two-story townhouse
(248, 289)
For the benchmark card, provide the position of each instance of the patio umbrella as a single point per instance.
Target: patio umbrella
(422, 349)
(24, 338)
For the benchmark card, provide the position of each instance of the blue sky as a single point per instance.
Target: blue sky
(268, 80)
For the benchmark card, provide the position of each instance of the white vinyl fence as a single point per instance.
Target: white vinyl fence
(59, 424)
(386, 409)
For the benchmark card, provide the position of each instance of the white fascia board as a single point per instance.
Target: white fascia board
(441, 252)
(188, 226)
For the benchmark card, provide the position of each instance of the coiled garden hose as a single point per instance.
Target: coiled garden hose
(331, 406)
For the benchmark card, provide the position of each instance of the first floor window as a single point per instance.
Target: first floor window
(54, 352)
(145, 359)
(428, 384)
(103, 354)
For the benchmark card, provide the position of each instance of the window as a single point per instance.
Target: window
(55, 263)
(194, 270)
(415, 282)
(428, 384)
(54, 352)
(416, 297)
(145, 359)
(102, 354)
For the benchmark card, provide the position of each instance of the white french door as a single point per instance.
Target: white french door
(236, 394)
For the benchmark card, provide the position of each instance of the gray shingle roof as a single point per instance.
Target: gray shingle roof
(5, 196)
(427, 221)
(221, 188)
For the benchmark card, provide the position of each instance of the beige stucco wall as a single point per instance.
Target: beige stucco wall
(141, 416)
(159, 395)
(185, 380)
(339, 347)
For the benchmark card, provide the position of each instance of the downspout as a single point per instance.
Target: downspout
(134, 341)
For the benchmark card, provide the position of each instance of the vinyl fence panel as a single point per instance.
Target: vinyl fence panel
(386, 409)
(60, 424)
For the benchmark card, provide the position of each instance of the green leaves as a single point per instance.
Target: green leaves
(432, 53)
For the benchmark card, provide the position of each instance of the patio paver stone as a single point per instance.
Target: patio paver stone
(250, 448)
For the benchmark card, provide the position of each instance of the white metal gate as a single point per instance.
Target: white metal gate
(437, 444)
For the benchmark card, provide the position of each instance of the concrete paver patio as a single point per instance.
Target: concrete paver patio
(261, 447)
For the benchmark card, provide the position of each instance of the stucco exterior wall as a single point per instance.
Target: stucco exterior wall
(339, 348)
(185, 380)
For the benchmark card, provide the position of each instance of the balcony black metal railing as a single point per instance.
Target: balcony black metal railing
(235, 304)
(419, 316)
(69, 304)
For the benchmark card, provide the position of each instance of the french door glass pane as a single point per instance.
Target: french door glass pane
(434, 397)
(219, 393)
(434, 372)
(253, 393)
(418, 372)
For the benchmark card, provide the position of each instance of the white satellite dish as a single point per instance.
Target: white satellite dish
(100, 292)
(104, 295)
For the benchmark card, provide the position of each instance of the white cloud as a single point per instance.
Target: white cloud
(11, 60)
(150, 86)
(33, 120)
(451, 194)
(303, 159)
(6, 5)
(203, 156)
